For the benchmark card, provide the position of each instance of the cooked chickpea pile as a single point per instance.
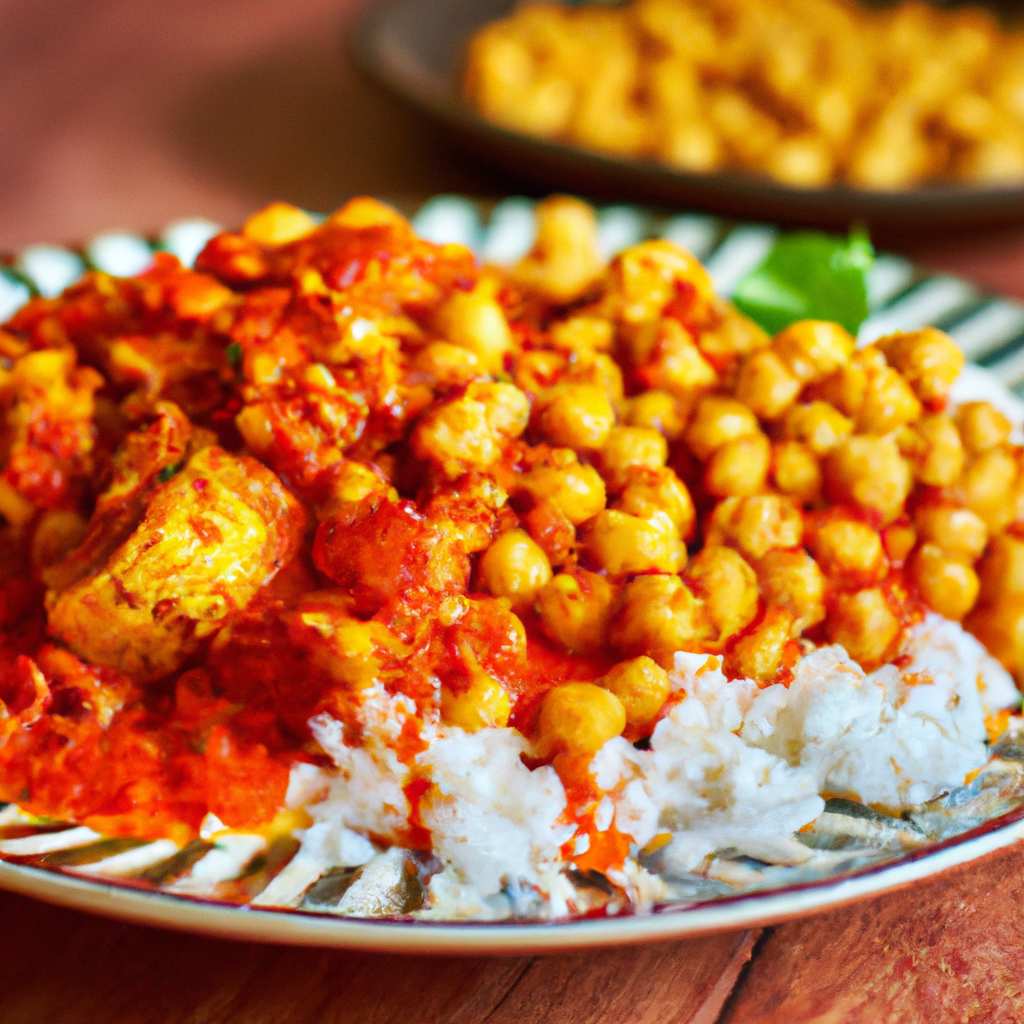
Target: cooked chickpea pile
(809, 92)
(337, 460)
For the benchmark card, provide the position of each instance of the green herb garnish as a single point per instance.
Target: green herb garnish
(809, 276)
(233, 354)
(168, 471)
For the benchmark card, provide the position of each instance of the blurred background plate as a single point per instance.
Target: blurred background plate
(414, 48)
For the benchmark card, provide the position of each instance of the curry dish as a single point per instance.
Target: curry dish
(282, 526)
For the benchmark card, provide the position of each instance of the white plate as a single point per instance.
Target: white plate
(991, 332)
(303, 929)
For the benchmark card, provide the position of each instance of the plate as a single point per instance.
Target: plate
(294, 928)
(130, 883)
(414, 49)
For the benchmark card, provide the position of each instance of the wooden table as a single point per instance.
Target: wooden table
(130, 113)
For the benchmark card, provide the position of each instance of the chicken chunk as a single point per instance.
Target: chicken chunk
(210, 538)
(382, 551)
(144, 459)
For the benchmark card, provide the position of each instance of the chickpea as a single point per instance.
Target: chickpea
(447, 365)
(843, 389)
(728, 587)
(576, 490)
(469, 432)
(759, 654)
(601, 371)
(643, 687)
(987, 484)
(577, 416)
(474, 321)
(551, 529)
(982, 427)
(814, 349)
(929, 360)
(848, 549)
(892, 155)
(818, 425)
(793, 581)
(628, 450)
(888, 403)
(506, 85)
(458, 437)
(43, 369)
(575, 610)
(865, 626)
(946, 584)
(514, 566)
(898, 541)
(657, 616)
(319, 378)
(259, 366)
(734, 335)
(716, 421)
(483, 704)
(1002, 568)
(796, 472)
(350, 482)
(507, 409)
(674, 363)
(656, 410)
(255, 425)
(691, 146)
(804, 161)
(583, 333)
(957, 531)
(739, 467)
(363, 212)
(744, 127)
(870, 472)
(756, 525)
(639, 342)
(564, 261)
(933, 447)
(659, 491)
(538, 370)
(621, 544)
(1000, 627)
(645, 278)
(578, 718)
(278, 224)
(766, 385)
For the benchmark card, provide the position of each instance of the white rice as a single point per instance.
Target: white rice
(731, 766)
(894, 738)
(366, 793)
(490, 816)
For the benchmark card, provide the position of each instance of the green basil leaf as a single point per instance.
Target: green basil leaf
(809, 275)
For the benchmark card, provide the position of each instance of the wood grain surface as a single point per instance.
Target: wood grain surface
(59, 965)
(949, 951)
(946, 951)
(130, 113)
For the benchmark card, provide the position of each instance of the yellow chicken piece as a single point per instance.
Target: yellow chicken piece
(210, 538)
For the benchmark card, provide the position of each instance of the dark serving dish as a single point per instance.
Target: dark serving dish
(414, 48)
